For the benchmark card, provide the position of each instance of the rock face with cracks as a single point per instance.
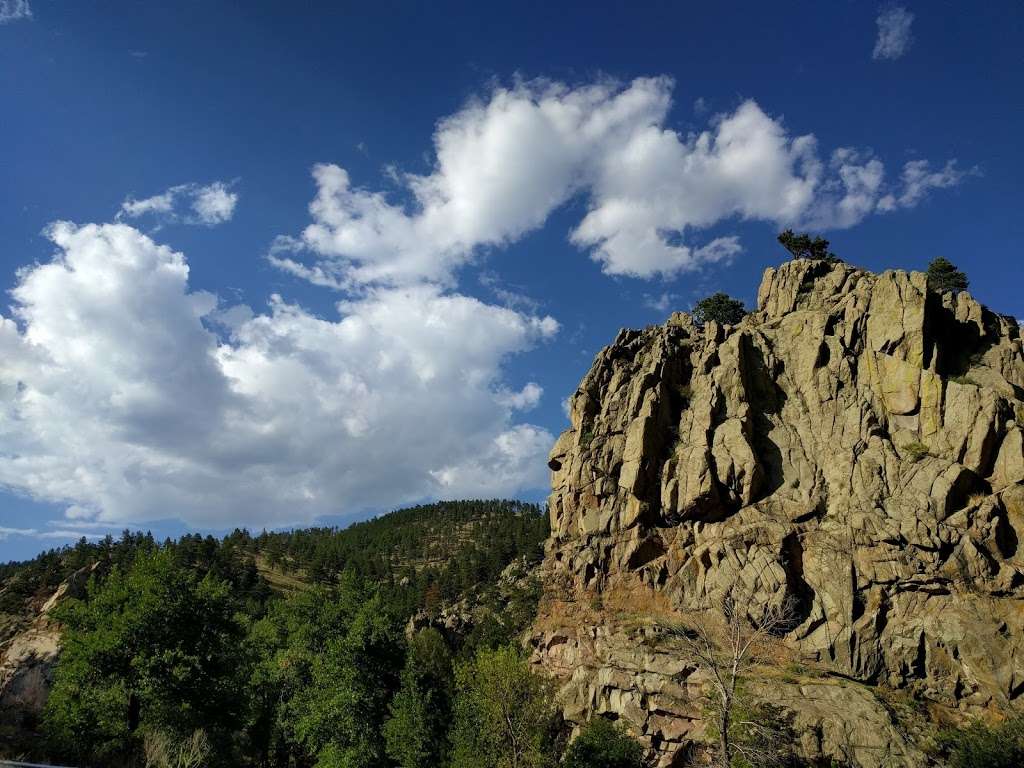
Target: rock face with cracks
(27, 663)
(853, 446)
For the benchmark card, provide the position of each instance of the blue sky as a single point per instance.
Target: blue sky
(494, 194)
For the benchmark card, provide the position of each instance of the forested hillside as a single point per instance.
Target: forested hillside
(282, 649)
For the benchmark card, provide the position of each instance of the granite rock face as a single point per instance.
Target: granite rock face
(853, 446)
(27, 663)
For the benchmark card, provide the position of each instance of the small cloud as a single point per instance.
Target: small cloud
(68, 534)
(208, 204)
(138, 54)
(546, 326)
(510, 296)
(525, 399)
(919, 179)
(700, 106)
(76, 512)
(83, 525)
(214, 204)
(164, 203)
(5, 532)
(660, 303)
(894, 36)
(14, 10)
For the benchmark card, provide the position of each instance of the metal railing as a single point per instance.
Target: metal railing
(16, 764)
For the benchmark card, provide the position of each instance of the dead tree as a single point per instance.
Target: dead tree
(727, 642)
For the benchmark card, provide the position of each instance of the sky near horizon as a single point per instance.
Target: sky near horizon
(275, 264)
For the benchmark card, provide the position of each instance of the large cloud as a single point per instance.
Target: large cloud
(503, 164)
(131, 397)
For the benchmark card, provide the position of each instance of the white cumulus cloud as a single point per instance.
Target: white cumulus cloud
(502, 165)
(191, 203)
(894, 36)
(119, 399)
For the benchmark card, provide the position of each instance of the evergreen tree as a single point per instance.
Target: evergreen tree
(720, 308)
(416, 735)
(802, 246)
(944, 277)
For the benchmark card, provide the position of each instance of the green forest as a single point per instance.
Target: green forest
(295, 649)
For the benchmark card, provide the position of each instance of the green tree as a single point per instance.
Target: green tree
(802, 246)
(155, 646)
(330, 661)
(416, 735)
(720, 308)
(503, 713)
(602, 744)
(944, 277)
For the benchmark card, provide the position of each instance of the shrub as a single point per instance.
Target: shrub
(944, 277)
(803, 247)
(720, 308)
(982, 746)
(602, 744)
(162, 750)
(916, 451)
(964, 379)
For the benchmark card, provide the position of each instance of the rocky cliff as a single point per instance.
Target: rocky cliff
(27, 662)
(854, 446)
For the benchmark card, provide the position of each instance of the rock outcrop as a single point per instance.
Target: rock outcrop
(27, 662)
(853, 446)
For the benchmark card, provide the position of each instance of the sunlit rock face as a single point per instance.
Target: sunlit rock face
(855, 446)
(28, 659)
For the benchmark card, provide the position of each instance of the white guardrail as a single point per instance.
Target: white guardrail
(16, 764)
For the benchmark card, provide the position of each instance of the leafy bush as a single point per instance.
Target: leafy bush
(503, 713)
(602, 744)
(719, 308)
(944, 277)
(803, 247)
(982, 746)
